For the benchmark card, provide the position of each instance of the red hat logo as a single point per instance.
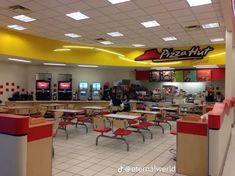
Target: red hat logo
(149, 55)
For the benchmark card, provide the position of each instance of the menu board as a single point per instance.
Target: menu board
(204, 75)
(154, 76)
(166, 75)
(178, 76)
(189, 76)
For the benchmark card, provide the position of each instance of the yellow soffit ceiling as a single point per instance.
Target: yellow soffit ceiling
(39, 48)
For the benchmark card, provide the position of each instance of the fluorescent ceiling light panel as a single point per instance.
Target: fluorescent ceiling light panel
(106, 42)
(217, 40)
(149, 24)
(210, 25)
(54, 64)
(72, 35)
(16, 27)
(206, 66)
(138, 45)
(77, 16)
(88, 66)
(62, 49)
(115, 34)
(117, 1)
(19, 60)
(23, 18)
(167, 39)
(194, 3)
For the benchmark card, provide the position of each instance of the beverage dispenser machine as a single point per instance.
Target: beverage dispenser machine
(83, 91)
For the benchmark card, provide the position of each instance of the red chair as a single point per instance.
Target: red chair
(119, 128)
(100, 127)
(81, 120)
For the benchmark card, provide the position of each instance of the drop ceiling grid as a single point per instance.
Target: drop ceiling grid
(173, 15)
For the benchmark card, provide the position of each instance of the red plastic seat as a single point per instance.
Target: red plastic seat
(147, 124)
(174, 132)
(64, 123)
(122, 132)
(102, 129)
(82, 118)
(168, 118)
(36, 115)
(159, 120)
(131, 121)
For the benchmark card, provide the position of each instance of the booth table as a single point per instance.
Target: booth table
(51, 106)
(26, 149)
(70, 111)
(146, 112)
(121, 116)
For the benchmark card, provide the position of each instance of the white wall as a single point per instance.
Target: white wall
(10, 72)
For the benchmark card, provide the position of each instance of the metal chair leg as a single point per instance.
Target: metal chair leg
(97, 139)
(127, 144)
(158, 124)
(168, 124)
(150, 132)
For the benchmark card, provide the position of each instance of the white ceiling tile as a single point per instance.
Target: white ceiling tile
(146, 3)
(176, 5)
(78, 6)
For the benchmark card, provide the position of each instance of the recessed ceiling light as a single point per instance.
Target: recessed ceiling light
(77, 16)
(54, 64)
(149, 24)
(106, 42)
(72, 35)
(19, 60)
(23, 18)
(210, 25)
(16, 27)
(138, 45)
(194, 3)
(117, 1)
(61, 49)
(88, 66)
(217, 40)
(115, 34)
(169, 38)
(206, 66)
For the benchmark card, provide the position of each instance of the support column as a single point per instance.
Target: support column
(229, 67)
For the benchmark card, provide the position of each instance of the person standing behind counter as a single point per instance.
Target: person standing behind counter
(126, 104)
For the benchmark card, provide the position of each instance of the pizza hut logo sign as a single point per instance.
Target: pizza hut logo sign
(169, 54)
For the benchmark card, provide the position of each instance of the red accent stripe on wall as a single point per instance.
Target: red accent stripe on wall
(190, 127)
(40, 132)
(141, 75)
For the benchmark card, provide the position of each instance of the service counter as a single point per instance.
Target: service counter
(25, 149)
(203, 141)
(78, 104)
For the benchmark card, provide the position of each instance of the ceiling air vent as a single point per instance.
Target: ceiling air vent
(19, 9)
(100, 39)
(193, 27)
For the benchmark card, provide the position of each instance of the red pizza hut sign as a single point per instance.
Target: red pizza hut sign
(169, 54)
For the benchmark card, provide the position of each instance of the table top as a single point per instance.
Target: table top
(145, 112)
(68, 110)
(18, 107)
(165, 108)
(94, 107)
(121, 116)
(52, 105)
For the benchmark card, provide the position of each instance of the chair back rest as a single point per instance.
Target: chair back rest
(147, 108)
(115, 108)
(34, 110)
(57, 115)
(150, 117)
(99, 122)
(22, 111)
(70, 106)
(117, 123)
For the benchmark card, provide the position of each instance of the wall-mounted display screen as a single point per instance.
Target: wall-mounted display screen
(166, 75)
(154, 76)
(204, 75)
(95, 92)
(190, 75)
(96, 86)
(83, 92)
(178, 76)
(65, 85)
(43, 85)
(83, 85)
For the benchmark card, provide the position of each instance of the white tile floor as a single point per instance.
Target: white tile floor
(79, 156)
